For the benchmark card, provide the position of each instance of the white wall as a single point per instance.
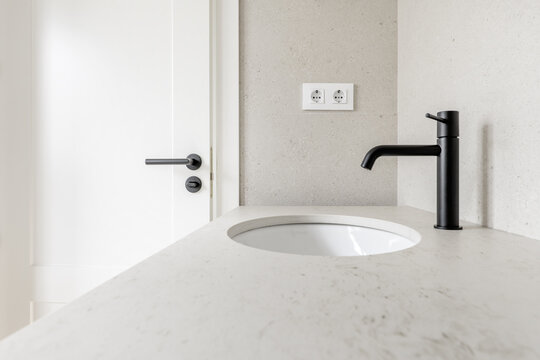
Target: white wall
(295, 157)
(15, 162)
(482, 58)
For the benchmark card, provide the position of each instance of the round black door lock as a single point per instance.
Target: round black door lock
(193, 184)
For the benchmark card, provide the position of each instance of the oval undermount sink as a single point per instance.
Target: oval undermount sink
(324, 235)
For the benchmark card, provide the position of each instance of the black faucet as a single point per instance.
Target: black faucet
(447, 153)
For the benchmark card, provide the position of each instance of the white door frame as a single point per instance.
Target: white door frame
(225, 104)
(224, 109)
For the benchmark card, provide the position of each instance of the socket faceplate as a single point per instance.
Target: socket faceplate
(335, 96)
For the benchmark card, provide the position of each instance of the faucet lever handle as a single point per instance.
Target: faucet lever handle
(438, 118)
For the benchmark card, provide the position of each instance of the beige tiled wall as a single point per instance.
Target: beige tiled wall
(483, 59)
(295, 157)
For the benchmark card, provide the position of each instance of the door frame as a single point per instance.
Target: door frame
(225, 106)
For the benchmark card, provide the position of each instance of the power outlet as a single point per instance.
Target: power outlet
(327, 96)
(317, 96)
(339, 97)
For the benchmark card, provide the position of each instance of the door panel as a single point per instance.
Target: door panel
(115, 82)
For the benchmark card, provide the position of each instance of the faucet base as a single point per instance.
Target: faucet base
(448, 227)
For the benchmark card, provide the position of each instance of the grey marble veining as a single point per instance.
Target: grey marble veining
(471, 294)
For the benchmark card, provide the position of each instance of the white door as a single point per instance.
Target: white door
(115, 82)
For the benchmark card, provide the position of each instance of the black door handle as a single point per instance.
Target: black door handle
(193, 161)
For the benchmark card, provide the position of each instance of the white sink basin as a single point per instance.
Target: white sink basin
(328, 235)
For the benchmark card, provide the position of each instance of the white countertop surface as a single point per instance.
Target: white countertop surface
(471, 294)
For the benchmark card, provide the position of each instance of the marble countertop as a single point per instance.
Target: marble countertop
(471, 294)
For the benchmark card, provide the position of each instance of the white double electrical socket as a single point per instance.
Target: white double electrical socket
(327, 96)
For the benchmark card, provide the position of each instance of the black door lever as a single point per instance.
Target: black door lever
(193, 161)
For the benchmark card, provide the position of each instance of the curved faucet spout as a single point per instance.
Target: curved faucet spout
(399, 150)
(447, 153)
